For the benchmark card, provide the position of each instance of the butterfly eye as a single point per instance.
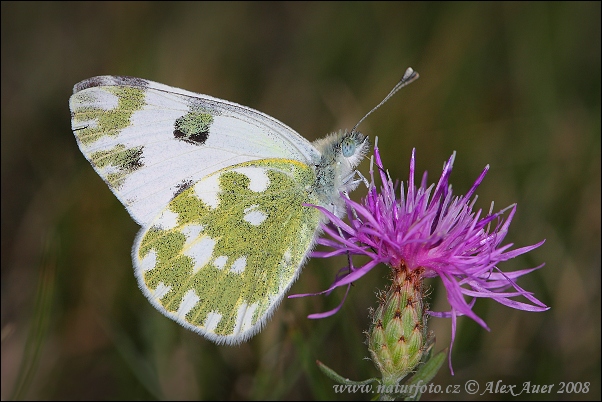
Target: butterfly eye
(348, 147)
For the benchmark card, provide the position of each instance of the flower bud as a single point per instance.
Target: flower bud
(397, 336)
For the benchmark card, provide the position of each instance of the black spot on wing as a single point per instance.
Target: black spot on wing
(181, 187)
(135, 162)
(195, 139)
(193, 127)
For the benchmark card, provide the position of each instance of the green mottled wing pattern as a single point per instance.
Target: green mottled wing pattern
(225, 284)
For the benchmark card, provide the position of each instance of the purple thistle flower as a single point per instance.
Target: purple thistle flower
(431, 230)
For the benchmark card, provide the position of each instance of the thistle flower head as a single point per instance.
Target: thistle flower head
(429, 230)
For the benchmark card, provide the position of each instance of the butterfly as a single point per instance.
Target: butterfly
(222, 193)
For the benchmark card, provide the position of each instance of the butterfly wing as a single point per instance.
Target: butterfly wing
(222, 254)
(149, 141)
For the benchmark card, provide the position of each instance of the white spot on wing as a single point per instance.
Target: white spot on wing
(220, 261)
(149, 261)
(167, 220)
(244, 317)
(207, 189)
(160, 291)
(211, 321)
(201, 252)
(192, 233)
(189, 300)
(259, 180)
(94, 98)
(254, 216)
(109, 169)
(287, 256)
(239, 265)
(106, 100)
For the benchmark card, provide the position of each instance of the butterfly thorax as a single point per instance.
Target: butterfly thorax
(340, 153)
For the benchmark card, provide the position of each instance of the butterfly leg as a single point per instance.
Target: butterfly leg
(353, 182)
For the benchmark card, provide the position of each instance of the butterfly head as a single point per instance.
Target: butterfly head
(352, 147)
(340, 153)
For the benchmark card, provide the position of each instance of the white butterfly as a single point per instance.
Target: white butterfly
(218, 189)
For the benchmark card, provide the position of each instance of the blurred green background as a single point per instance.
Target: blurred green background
(513, 85)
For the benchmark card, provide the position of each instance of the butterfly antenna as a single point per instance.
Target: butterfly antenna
(409, 76)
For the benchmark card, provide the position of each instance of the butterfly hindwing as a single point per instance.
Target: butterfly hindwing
(148, 140)
(225, 284)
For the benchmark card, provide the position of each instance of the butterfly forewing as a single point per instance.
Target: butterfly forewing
(148, 140)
